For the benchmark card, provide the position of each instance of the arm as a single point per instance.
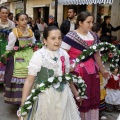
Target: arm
(11, 41)
(99, 62)
(27, 87)
(114, 28)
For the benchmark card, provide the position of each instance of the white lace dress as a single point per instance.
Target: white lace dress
(53, 105)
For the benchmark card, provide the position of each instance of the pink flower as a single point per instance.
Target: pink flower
(110, 55)
(2, 55)
(16, 48)
(30, 44)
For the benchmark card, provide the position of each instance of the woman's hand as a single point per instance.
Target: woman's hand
(72, 67)
(79, 99)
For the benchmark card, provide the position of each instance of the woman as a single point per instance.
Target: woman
(16, 68)
(6, 26)
(75, 42)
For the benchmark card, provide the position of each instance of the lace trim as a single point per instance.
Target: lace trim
(18, 80)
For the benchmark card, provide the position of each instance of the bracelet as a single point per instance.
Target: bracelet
(19, 112)
(77, 98)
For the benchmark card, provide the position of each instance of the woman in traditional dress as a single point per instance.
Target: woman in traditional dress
(75, 42)
(6, 26)
(49, 61)
(16, 68)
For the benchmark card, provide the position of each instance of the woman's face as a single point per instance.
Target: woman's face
(22, 21)
(4, 14)
(54, 40)
(87, 24)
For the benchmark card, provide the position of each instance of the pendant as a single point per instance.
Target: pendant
(55, 59)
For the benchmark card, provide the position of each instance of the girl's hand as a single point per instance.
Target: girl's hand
(72, 67)
(79, 99)
(105, 74)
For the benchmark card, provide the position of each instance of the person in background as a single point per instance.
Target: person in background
(52, 104)
(97, 29)
(74, 43)
(43, 25)
(112, 98)
(107, 29)
(52, 22)
(6, 27)
(70, 23)
(10, 16)
(16, 67)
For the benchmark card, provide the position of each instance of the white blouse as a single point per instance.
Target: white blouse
(12, 39)
(44, 57)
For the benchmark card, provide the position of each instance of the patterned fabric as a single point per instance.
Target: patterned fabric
(17, 65)
(87, 69)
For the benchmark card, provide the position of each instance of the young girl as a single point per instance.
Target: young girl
(51, 104)
(112, 98)
(5, 27)
(75, 42)
(16, 68)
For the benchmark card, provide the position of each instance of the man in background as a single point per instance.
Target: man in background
(70, 23)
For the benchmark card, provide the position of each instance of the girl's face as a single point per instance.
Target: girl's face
(115, 71)
(87, 24)
(4, 14)
(99, 32)
(22, 21)
(54, 40)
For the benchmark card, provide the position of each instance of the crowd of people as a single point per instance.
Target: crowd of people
(61, 46)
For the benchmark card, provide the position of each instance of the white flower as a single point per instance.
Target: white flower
(60, 79)
(27, 102)
(83, 57)
(77, 60)
(79, 77)
(29, 107)
(29, 97)
(74, 80)
(79, 90)
(41, 85)
(114, 49)
(33, 90)
(34, 98)
(51, 79)
(94, 47)
(102, 49)
(117, 60)
(84, 50)
(56, 85)
(82, 93)
(67, 78)
(24, 113)
(91, 53)
(79, 81)
(83, 89)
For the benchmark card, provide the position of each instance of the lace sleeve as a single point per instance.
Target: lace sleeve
(35, 64)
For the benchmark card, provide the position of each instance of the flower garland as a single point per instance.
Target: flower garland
(8, 54)
(54, 82)
(112, 52)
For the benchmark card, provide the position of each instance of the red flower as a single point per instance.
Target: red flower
(30, 44)
(16, 48)
(110, 55)
(22, 46)
(35, 48)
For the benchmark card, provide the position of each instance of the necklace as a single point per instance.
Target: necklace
(24, 32)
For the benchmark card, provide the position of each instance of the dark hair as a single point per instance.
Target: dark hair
(10, 14)
(106, 17)
(73, 8)
(3, 7)
(18, 15)
(48, 29)
(96, 27)
(82, 16)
